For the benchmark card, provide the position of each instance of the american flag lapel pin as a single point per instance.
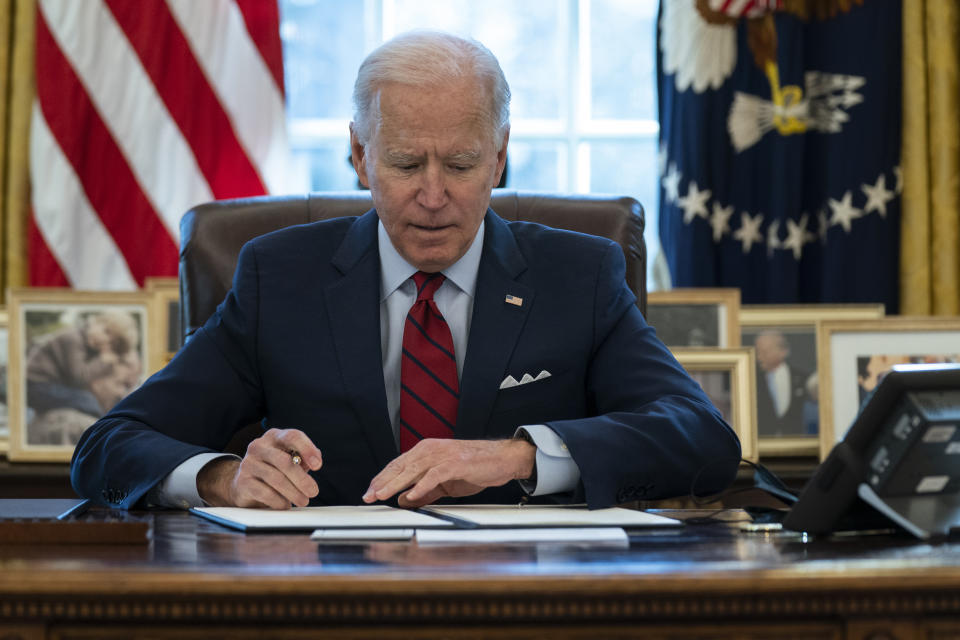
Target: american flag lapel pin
(514, 300)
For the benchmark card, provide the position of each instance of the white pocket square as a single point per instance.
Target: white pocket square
(510, 381)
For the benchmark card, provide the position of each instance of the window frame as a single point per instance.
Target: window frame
(574, 130)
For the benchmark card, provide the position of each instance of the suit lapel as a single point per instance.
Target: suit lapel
(494, 329)
(353, 303)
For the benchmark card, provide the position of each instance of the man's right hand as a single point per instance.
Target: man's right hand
(267, 477)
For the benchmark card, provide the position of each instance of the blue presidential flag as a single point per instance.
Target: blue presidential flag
(780, 148)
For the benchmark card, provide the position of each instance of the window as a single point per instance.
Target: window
(582, 74)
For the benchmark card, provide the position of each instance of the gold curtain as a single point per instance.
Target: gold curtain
(930, 239)
(18, 87)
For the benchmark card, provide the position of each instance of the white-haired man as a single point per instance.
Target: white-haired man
(379, 351)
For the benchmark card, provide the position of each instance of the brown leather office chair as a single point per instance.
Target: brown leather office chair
(212, 234)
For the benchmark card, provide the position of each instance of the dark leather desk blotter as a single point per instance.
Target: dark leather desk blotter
(38, 521)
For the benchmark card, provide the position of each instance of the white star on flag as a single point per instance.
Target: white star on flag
(694, 203)
(773, 237)
(749, 231)
(844, 213)
(898, 179)
(824, 226)
(720, 220)
(877, 196)
(671, 184)
(797, 236)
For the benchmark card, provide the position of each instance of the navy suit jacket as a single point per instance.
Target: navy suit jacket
(296, 343)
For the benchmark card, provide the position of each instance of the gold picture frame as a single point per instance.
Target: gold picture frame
(165, 331)
(695, 318)
(859, 352)
(796, 431)
(739, 409)
(73, 354)
(4, 378)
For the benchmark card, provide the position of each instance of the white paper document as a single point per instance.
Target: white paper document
(311, 518)
(361, 535)
(490, 515)
(612, 536)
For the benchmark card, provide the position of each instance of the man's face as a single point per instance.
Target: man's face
(430, 166)
(770, 351)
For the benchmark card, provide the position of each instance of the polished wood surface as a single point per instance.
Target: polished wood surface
(703, 580)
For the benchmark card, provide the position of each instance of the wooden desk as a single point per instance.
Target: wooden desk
(198, 580)
(33, 480)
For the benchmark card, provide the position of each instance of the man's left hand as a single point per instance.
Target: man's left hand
(437, 468)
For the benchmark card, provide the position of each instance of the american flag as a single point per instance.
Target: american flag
(145, 108)
(782, 179)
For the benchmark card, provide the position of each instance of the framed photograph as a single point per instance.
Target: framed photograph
(73, 355)
(727, 377)
(695, 317)
(785, 339)
(4, 359)
(165, 319)
(857, 354)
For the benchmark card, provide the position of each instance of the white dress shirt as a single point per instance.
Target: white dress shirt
(778, 383)
(555, 470)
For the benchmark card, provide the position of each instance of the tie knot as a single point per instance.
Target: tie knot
(427, 284)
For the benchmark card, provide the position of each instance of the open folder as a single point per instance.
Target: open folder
(500, 516)
(309, 518)
(432, 517)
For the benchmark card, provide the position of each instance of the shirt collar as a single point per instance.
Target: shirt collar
(395, 270)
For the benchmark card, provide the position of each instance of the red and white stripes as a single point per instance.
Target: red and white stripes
(144, 109)
(744, 8)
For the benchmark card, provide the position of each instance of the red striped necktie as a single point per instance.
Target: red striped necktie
(429, 389)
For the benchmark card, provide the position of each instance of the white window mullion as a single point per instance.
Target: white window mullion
(570, 22)
(387, 21)
(581, 100)
(319, 130)
(583, 167)
(626, 129)
(564, 162)
(584, 89)
(538, 128)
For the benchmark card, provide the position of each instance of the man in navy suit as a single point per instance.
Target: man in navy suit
(782, 397)
(563, 387)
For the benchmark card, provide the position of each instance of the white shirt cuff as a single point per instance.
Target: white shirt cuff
(179, 488)
(556, 470)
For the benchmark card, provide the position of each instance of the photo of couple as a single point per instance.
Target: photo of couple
(79, 363)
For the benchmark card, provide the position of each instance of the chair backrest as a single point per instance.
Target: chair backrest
(212, 234)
